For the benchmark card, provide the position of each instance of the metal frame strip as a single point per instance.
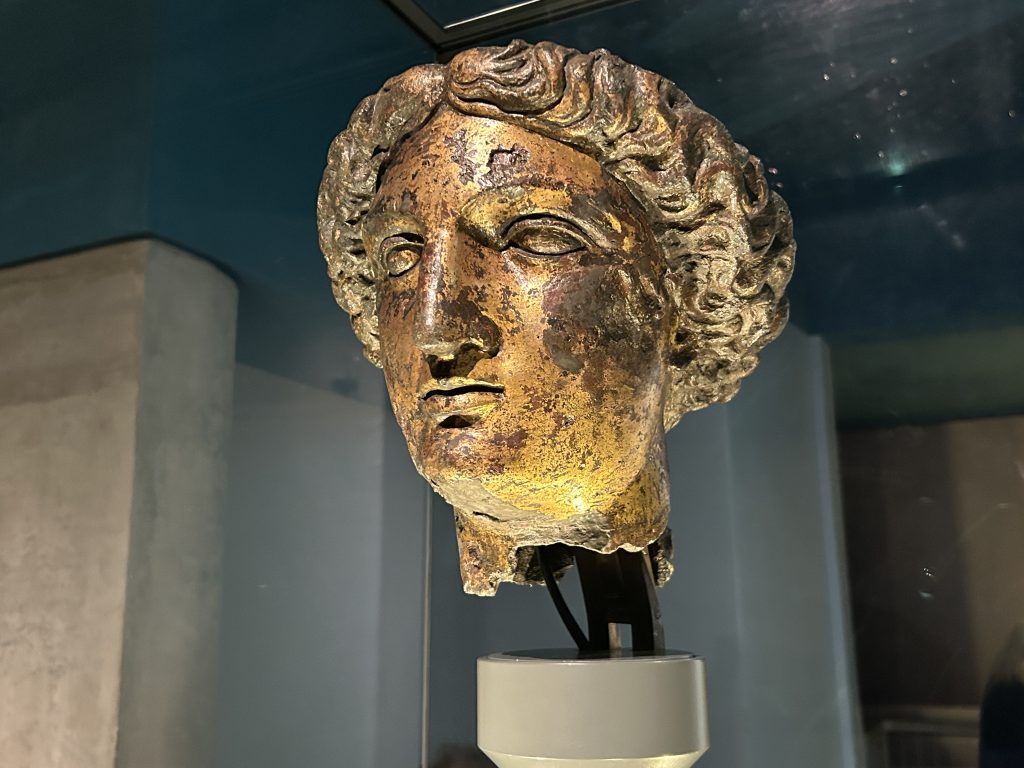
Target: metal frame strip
(445, 38)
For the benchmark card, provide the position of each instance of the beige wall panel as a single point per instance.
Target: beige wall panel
(69, 342)
(115, 390)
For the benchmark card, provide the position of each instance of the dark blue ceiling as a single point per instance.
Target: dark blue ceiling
(891, 127)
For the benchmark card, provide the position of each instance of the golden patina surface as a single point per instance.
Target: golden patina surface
(553, 256)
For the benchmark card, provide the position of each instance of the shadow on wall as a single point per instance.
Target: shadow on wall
(1002, 708)
(461, 756)
(935, 530)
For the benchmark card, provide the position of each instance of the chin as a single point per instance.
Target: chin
(474, 448)
(449, 465)
(504, 494)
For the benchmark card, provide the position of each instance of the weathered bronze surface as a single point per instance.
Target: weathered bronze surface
(553, 256)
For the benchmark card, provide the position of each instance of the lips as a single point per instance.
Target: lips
(459, 401)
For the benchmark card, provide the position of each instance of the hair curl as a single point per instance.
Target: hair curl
(726, 238)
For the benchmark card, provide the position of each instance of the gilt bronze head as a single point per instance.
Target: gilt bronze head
(553, 256)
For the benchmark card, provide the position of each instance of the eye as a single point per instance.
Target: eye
(399, 253)
(545, 236)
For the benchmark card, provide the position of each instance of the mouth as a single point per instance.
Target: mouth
(459, 402)
(458, 385)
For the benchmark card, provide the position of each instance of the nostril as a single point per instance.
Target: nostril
(458, 364)
(439, 366)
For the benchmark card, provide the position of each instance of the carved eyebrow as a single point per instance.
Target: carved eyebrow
(377, 225)
(488, 214)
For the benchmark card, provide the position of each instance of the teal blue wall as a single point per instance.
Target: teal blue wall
(76, 124)
(247, 103)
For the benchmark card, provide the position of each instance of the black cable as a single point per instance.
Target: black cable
(560, 605)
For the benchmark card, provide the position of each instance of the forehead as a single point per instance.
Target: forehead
(455, 156)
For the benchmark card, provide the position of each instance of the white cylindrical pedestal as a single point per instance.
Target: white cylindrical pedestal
(559, 709)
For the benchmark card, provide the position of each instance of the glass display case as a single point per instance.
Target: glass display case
(215, 549)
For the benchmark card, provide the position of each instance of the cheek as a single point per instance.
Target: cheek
(395, 302)
(398, 353)
(605, 323)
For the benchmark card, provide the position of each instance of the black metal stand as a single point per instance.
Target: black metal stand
(617, 589)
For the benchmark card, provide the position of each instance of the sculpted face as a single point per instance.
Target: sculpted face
(523, 329)
(553, 255)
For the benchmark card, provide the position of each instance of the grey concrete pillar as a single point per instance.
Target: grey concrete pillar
(116, 368)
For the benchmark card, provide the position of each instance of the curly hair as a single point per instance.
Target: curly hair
(726, 238)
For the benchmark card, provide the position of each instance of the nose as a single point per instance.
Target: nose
(450, 322)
